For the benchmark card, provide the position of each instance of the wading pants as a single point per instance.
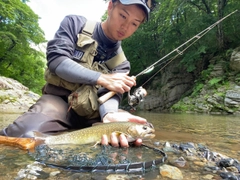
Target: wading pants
(48, 115)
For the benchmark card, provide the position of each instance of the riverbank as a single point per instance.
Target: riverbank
(214, 88)
(15, 97)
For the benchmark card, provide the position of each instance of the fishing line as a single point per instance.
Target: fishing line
(196, 37)
(139, 94)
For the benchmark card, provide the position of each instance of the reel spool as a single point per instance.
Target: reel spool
(137, 97)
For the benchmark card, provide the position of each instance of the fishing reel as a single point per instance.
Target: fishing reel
(137, 97)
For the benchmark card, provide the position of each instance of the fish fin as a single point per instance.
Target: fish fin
(39, 137)
(98, 142)
(23, 143)
(129, 138)
(118, 133)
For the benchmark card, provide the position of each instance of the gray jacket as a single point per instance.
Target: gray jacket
(60, 53)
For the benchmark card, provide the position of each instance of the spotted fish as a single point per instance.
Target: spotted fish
(88, 135)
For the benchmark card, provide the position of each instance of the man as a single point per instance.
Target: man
(51, 113)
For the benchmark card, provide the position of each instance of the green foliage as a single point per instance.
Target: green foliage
(220, 94)
(19, 34)
(237, 78)
(172, 23)
(192, 57)
(197, 88)
(180, 106)
(205, 73)
(104, 17)
(214, 81)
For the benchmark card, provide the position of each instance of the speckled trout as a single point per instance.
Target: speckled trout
(88, 135)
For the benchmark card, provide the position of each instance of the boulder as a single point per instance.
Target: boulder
(15, 97)
(235, 60)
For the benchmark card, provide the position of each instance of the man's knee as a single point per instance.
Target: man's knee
(51, 105)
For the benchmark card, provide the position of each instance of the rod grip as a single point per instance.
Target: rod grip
(106, 96)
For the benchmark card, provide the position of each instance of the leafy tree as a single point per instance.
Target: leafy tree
(19, 34)
(173, 22)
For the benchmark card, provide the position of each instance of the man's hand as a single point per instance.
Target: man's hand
(123, 116)
(117, 82)
(117, 117)
(121, 141)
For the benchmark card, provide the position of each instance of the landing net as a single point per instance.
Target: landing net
(86, 158)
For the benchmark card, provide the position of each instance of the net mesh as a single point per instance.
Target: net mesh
(99, 158)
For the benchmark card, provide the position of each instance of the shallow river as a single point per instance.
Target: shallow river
(216, 131)
(219, 133)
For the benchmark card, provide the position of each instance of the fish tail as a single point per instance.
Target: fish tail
(22, 143)
(39, 137)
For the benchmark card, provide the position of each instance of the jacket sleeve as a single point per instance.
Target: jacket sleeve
(112, 105)
(60, 52)
(63, 45)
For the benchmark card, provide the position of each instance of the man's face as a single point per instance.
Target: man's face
(122, 21)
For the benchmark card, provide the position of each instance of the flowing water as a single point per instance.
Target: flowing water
(219, 133)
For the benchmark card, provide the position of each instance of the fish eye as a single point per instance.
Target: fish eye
(144, 127)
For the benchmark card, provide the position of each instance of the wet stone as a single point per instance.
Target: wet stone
(238, 167)
(199, 163)
(192, 158)
(32, 171)
(168, 148)
(229, 176)
(54, 173)
(185, 161)
(157, 143)
(79, 176)
(121, 177)
(170, 172)
(180, 162)
(201, 159)
(43, 175)
(185, 146)
(232, 169)
(208, 176)
(227, 162)
(213, 169)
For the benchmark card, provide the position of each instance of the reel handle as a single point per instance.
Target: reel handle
(106, 96)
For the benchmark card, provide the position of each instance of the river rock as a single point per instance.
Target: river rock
(15, 97)
(170, 172)
(232, 98)
(235, 60)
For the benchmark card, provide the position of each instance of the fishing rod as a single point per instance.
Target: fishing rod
(140, 92)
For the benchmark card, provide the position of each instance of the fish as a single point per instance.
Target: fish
(92, 134)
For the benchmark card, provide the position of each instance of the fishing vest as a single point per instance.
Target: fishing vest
(83, 99)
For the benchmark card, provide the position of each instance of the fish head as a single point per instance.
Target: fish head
(142, 131)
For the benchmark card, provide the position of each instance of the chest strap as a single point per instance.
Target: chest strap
(115, 60)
